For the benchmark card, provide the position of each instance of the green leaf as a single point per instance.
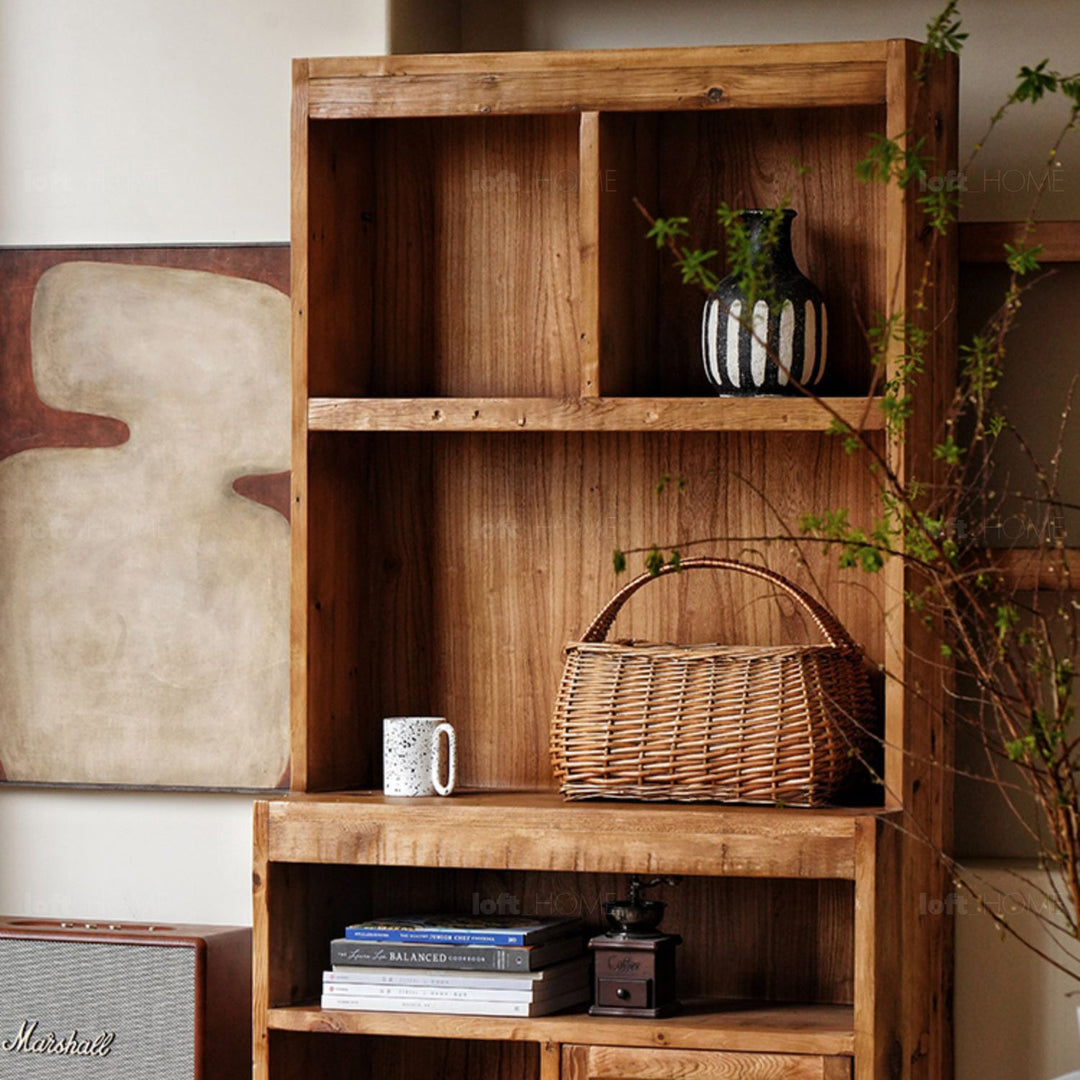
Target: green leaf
(949, 452)
(675, 560)
(694, 272)
(1070, 87)
(667, 230)
(943, 34)
(941, 205)
(880, 159)
(618, 560)
(1019, 749)
(654, 562)
(1021, 259)
(1005, 618)
(1034, 83)
(750, 264)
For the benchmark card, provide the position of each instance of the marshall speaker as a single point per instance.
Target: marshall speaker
(121, 1001)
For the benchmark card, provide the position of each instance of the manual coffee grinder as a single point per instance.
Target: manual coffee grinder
(634, 963)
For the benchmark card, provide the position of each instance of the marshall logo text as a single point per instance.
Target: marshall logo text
(29, 1042)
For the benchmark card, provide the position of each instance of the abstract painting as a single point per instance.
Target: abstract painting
(144, 455)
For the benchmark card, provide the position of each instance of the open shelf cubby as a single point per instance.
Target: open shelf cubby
(493, 369)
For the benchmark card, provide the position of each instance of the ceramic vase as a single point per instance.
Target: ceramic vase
(752, 346)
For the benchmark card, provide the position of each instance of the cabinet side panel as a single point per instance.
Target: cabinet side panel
(919, 708)
(260, 943)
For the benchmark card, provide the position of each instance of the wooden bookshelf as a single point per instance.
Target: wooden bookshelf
(492, 370)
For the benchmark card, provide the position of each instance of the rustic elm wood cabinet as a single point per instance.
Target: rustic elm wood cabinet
(492, 369)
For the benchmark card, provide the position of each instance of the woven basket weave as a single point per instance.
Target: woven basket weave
(711, 723)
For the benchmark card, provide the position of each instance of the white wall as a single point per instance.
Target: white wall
(148, 122)
(157, 121)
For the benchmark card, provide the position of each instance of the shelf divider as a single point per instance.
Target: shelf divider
(589, 172)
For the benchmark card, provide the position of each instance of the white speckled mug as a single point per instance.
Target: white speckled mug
(411, 755)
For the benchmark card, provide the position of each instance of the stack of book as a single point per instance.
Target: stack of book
(471, 965)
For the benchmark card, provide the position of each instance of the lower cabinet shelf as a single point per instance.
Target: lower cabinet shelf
(702, 1025)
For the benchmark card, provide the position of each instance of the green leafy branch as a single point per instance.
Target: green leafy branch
(691, 262)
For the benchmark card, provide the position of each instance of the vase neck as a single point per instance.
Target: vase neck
(759, 224)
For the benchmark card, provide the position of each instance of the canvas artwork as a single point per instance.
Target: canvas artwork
(144, 535)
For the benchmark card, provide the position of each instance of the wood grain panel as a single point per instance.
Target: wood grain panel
(338, 248)
(591, 62)
(719, 78)
(782, 941)
(542, 831)
(318, 1055)
(617, 1063)
(984, 241)
(330, 617)
(880, 962)
(473, 216)
(1048, 569)
(757, 160)
(521, 529)
(589, 414)
(260, 942)
(629, 167)
(919, 710)
(740, 1026)
(447, 573)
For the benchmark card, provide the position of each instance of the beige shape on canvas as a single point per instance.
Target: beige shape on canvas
(143, 603)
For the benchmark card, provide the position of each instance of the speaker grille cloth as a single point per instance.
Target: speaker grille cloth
(143, 993)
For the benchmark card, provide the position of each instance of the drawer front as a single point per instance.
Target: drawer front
(626, 1063)
(630, 993)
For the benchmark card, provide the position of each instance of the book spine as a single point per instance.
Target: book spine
(419, 1005)
(496, 980)
(427, 993)
(437, 937)
(448, 957)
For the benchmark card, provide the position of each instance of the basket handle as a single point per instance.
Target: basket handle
(830, 627)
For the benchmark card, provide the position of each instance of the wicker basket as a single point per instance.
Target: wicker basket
(701, 723)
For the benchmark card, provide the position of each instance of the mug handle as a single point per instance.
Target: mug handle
(451, 758)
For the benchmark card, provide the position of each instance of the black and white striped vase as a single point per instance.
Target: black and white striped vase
(757, 348)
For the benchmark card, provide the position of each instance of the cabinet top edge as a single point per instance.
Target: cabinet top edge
(570, 59)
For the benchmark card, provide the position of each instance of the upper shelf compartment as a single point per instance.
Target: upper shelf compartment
(468, 223)
(687, 164)
(445, 257)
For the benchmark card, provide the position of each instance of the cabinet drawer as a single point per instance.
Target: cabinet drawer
(623, 1063)
(623, 992)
